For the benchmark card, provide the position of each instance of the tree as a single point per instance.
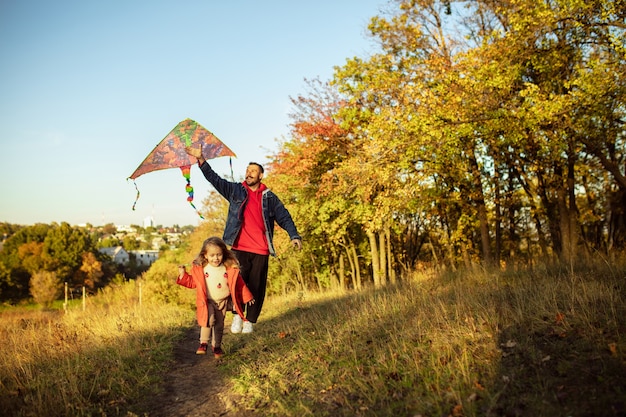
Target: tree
(91, 269)
(45, 287)
(481, 133)
(15, 280)
(63, 250)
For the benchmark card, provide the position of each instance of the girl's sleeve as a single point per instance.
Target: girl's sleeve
(186, 280)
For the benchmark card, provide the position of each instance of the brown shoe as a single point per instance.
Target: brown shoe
(202, 349)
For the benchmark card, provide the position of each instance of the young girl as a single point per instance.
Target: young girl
(215, 276)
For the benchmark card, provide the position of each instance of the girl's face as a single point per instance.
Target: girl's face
(214, 255)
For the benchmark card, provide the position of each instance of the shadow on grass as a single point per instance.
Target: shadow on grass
(335, 366)
(552, 372)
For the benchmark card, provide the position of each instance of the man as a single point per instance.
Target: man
(252, 211)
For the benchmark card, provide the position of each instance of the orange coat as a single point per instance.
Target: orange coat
(239, 292)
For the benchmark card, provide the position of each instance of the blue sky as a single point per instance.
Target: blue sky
(89, 88)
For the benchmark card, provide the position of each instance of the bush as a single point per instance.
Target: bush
(45, 287)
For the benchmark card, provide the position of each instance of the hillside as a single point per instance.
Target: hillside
(531, 344)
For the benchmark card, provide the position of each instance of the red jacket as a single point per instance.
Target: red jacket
(239, 292)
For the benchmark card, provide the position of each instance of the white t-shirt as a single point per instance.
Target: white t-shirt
(216, 282)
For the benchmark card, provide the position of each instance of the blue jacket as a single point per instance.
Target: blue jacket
(236, 193)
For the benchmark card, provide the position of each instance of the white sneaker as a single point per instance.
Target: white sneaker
(237, 324)
(247, 327)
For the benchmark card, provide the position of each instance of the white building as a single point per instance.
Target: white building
(148, 222)
(117, 253)
(145, 257)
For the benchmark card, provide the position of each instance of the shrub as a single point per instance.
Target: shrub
(45, 287)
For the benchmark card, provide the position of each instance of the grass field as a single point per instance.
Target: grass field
(524, 344)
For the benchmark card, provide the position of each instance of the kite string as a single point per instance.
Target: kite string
(187, 174)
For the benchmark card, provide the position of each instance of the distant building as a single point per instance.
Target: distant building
(120, 256)
(157, 242)
(145, 257)
(117, 253)
(148, 222)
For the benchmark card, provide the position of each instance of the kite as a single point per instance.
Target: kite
(170, 153)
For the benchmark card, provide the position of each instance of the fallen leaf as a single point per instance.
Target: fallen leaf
(560, 317)
(613, 348)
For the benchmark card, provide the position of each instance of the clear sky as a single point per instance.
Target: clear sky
(89, 88)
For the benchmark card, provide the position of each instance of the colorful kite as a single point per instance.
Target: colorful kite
(170, 153)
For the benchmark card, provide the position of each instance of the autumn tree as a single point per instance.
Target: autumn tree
(91, 270)
(15, 280)
(481, 133)
(301, 173)
(45, 287)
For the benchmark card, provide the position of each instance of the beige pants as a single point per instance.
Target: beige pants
(215, 326)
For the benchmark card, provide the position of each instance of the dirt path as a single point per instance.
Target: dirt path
(192, 387)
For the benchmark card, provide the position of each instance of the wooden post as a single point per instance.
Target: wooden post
(65, 303)
(84, 298)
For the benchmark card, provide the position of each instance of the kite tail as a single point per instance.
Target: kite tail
(137, 197)
(187, 174)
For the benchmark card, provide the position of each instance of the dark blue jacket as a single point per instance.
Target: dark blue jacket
(237, 195)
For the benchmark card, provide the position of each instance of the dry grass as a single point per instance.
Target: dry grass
(526, 344)
(93, 362)
(481, 345)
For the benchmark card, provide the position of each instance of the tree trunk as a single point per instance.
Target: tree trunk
(353, 259)
(497, 216)
(315, 273)
(478, 198)
(342, 271)
(375, 258)
(434, 253)
(382, 252)
(300, 277)
(567, 216)
(352, 268)
(390, 269)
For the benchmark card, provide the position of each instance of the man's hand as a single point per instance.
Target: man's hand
(297, 243)
(196, 153)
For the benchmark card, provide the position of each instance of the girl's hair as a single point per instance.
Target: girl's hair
(228, 258)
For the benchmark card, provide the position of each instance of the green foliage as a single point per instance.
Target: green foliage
(492, 133)
(130, 243)
(67, 251)
(63, 249)
(109, 242)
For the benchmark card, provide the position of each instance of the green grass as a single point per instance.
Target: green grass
(527, 344)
